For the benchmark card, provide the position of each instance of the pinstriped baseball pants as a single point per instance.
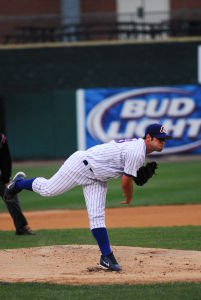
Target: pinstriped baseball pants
(73, 173)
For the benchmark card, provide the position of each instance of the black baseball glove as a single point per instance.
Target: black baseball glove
(145, 173)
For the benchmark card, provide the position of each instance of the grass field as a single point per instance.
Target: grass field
(183, 238)
(176, 183)
(176, 291)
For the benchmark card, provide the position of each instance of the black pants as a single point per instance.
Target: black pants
(14, 209)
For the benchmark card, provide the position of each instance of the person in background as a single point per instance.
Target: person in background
(13, 205)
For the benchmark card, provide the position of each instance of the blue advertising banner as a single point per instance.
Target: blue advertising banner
(106, 114)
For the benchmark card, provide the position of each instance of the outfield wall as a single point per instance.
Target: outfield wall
(38, 86)
(41, 125)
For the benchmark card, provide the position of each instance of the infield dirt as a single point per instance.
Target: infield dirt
(147, 216)
(78, 264)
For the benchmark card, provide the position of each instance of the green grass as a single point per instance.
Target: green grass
(36, 291)
(186, 238)
(175, 183)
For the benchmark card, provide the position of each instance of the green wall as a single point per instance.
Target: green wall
(38, 86)
(47, 69)
(41, 125)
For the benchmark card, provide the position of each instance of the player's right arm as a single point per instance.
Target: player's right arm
(127, 188)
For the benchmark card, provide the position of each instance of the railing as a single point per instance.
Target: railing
(99, 26)
(100, 31)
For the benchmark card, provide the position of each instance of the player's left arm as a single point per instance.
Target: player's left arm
(127, 188)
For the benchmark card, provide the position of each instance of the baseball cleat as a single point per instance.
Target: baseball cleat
(109, 262)
(26, 230)
(11, 189)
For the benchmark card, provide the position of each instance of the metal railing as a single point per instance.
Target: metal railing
(96, 26)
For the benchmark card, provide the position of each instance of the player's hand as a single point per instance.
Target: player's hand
(127, 188)
(127, 201)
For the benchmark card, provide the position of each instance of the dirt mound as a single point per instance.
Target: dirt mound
(76, 264)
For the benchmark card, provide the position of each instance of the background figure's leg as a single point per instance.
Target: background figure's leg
(16, 213)
(14, 209)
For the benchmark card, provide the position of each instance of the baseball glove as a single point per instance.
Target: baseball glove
(145, 173)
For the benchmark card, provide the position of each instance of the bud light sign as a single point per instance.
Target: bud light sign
(106, 114)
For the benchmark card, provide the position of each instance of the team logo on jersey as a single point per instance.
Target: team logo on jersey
(126, 113)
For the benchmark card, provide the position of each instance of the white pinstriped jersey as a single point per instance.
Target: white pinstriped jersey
(91, 169)
(112, 159)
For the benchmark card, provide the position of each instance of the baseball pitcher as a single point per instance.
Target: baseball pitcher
(92, 169)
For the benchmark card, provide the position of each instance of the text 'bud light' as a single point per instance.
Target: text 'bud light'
(107, 114)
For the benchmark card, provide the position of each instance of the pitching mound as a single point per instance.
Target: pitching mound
(79, 265)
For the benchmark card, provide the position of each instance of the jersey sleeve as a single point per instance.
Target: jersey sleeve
(133, 161)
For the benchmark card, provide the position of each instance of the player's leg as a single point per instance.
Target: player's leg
(57, 184)
(68, 176)
(18, 217)
(72, 173)
(16, 213)
(95, 197)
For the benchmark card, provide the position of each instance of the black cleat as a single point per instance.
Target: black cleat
(26, 230)
(11, 189)
(109, 262)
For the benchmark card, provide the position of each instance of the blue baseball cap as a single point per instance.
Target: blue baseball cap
(158, 131)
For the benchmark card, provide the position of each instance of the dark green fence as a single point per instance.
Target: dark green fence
(41, 125)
